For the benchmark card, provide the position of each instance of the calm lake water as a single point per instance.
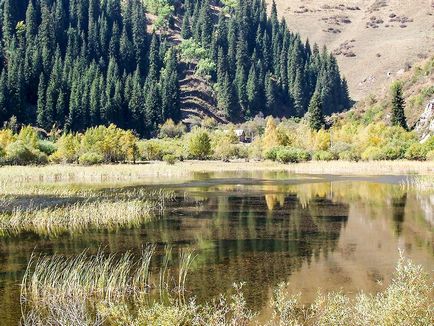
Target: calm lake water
(314, 232)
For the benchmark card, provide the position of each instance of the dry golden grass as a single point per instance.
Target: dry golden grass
(14, 177)
(381, 53)
(76, 218)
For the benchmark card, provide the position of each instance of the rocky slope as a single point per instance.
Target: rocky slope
(375, 41)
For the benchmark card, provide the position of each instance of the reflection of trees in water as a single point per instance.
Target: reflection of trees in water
(398, 212)
(256, 241)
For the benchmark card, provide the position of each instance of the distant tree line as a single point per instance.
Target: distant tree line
(81, 63)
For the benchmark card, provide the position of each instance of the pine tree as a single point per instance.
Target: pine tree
(186, 28)
(316, 118)
(9, 20)
(270, 92)
(398, 106)
(43, 120)
(225, 99)
(253, 92)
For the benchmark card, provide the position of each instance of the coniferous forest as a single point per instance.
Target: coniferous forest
(74, 64)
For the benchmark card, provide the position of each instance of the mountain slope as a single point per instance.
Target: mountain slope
(375, 39)
(418, 91)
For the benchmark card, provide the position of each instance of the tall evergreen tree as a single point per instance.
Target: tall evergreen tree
(398, 106)
(316, 117)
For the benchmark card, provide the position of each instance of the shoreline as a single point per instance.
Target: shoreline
(158, 169)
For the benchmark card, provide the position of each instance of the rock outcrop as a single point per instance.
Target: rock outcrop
(424, 127)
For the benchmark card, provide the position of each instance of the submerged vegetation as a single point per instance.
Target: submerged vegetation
(120, 290)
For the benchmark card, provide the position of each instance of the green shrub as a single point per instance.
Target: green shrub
(292, 155)
(171, 130)
(350, 155)
(271, 154)
(47, 147)
(416, 152)
(199, 146)
(323, 156)
(340, 147)
(90, 158)
(169, 159)
(371, 154)
(151, 150)
(67, 149)
(430, 156)
(18, 153)
(391, 152)
(429, 144)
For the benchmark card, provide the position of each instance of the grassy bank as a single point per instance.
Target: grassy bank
(118, 290)
(131, 172)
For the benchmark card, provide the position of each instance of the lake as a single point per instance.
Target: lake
(315, 232)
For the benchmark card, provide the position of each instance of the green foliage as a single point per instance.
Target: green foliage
(82, 63)
(20, 153)
(291, 155)
(349, 155)
(47, 147)
(199, 145)
(169, 159)
(171, 130)
(90, 158)
(398, 106)
(323, 156)
(205, 68)
(416, 152)
(192, 51)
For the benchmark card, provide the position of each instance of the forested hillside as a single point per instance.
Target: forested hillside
(80, 63)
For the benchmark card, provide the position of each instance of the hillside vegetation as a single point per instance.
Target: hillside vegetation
(418, 90)
(75, 64)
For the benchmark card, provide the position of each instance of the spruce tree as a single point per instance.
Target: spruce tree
(315, 114)
(42, 119)
(186, 28)
(398, 106)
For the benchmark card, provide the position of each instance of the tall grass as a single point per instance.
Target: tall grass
(77, 218)
(114, 290)
(160, 171)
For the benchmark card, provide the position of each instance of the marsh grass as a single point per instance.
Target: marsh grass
(116, 290)
(78, 218)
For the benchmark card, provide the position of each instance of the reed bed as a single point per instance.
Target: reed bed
(78, 218)
(119, 290)
(116, 290)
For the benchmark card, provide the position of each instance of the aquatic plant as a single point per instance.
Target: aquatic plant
(77, 218)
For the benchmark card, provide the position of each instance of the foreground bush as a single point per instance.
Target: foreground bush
(406, 301)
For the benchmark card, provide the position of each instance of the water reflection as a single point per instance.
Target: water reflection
(262, 229)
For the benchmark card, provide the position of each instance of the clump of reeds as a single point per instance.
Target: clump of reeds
(78, 218)
(118, 290)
